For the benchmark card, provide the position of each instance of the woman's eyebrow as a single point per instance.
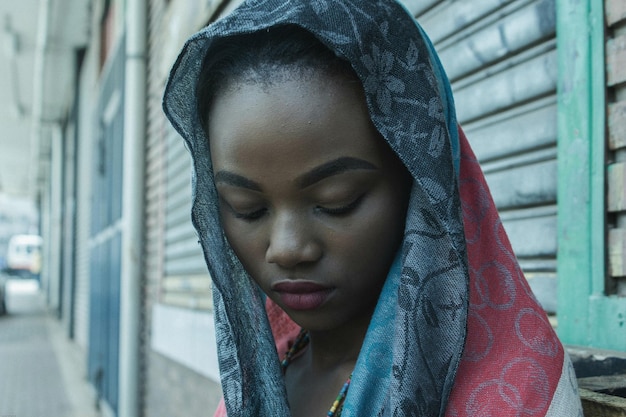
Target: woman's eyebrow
(333, 167)
(236, 180)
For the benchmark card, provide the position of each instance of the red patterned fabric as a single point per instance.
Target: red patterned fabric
(284, 329)
(512, 359)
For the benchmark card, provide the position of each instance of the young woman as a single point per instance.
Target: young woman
(359, 265)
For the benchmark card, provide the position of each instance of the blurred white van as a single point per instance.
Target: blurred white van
(24, 255)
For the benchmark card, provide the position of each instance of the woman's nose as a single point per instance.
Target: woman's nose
(292, 242)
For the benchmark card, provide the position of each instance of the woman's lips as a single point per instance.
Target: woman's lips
(301, 295)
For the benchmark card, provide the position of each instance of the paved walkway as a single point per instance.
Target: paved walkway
(41, 371)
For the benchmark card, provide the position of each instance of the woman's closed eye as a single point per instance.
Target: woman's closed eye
(340, 210)
(245, 211)
(329, 202)
(249, 215)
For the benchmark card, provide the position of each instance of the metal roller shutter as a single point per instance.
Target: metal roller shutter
(186, 281)
(501, 58)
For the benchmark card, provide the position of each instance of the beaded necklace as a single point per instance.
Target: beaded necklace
(301, 341)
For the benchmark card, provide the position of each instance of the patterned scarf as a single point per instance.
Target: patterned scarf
(457, 331)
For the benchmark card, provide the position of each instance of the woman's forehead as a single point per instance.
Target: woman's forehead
(290, 98)
(305, 117)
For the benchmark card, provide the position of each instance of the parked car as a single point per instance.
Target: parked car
(24, 256)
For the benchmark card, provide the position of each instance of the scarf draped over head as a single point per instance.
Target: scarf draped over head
(456, 331)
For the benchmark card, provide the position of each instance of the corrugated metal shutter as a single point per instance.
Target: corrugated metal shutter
(155, 166)
(174, 261)
(500, 56)
(186, 281)
(174, 270)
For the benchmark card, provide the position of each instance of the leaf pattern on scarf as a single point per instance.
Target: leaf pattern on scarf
(437, 141)
(320, 6)
(430, 313)
(412, 57)
(338, 38)
(380, 81)
(435, 110)
(406, 301)
(384, 28)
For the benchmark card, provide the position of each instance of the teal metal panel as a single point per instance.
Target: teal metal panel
(586, 314)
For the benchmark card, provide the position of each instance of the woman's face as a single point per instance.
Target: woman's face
(311, 198)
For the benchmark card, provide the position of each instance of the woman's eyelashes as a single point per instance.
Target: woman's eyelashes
(250, 213)
(326, 209)
(341, 210)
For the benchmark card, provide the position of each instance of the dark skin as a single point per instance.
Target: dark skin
(313, 203)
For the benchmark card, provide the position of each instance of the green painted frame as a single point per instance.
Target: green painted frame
(586, 315)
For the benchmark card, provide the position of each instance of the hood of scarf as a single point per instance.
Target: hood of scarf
(414, 346)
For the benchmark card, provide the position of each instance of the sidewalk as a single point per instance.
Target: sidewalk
(42, 373)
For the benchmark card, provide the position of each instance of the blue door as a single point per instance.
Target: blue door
(105, 241)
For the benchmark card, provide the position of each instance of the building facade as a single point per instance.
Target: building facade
(129, 279)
